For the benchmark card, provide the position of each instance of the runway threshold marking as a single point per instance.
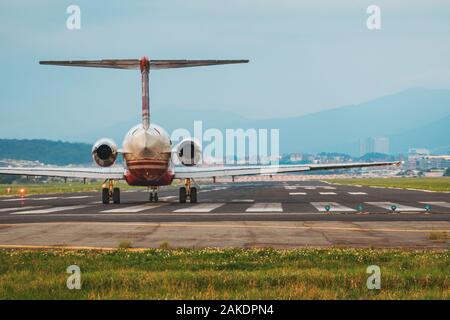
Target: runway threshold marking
(334, 207)
(134, 209)
(265, 207)
(399, 207)
(437, 203)
(51, 210)
(204, 207)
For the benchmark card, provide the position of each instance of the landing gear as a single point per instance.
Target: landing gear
(182, 195)
(153, 196)
(188, 192)
(116, 195)
(110, 193)
(105, 195)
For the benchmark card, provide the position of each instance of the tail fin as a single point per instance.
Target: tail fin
(145, 65)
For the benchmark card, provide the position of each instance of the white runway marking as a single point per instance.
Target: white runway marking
(265, 207)
(133, 209)
(19, 208)
(242, 200)
(167, 198)
(204, 207)
(290, 187)
(334, 207)
(50, 210)
(219, 188)
(47, 198)
(437, 203)
(399, 207)
(310, 188)
(357, 193)
(297, 193)
(327, 193)
(79, 197)
(329, 188)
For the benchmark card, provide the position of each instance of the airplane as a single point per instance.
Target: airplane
(147, 150)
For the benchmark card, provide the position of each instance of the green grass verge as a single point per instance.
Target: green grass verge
(432, 184)
(225, 274)
(54, 187)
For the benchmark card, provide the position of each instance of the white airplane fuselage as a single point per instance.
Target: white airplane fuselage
(147, 156)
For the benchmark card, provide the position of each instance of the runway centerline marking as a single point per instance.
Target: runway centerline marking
(297, 193)
(334, 207)
(399, 207)
(357, 193)
(50, 210)
(134, 209)
(328, 193)
(265, 207)
(204, 207)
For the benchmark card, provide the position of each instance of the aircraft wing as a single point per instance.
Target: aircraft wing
(115, 173)
(211, 172)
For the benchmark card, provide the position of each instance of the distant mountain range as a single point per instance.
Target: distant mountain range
(45, 151)
(412, 118)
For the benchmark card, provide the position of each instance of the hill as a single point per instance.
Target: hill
(412, 118)
(45, 151)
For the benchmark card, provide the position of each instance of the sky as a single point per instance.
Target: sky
(305, 57)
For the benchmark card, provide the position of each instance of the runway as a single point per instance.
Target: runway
(258, 201)
(279, 214)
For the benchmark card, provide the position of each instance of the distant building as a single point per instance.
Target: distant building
(374, 145)
(418, 152)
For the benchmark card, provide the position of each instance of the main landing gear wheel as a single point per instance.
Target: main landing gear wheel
(193, 196)
(187, 192)
(105, 195)
(110, 194)
(116, 195)
(182, 195)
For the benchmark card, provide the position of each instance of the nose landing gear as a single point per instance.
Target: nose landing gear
(188, 192)
(153, 196)
(110, 193)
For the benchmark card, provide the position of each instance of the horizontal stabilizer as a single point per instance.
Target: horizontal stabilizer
(135, 63)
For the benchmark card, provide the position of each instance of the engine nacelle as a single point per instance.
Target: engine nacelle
(105, 152)
(189, 152)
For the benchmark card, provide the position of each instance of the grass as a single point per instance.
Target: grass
(54, 187)
(438, 237)
(432, 184)
(225, 274)
(61, 187)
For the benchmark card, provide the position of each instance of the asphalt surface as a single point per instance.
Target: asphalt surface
(252, 214)
(256, 201)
